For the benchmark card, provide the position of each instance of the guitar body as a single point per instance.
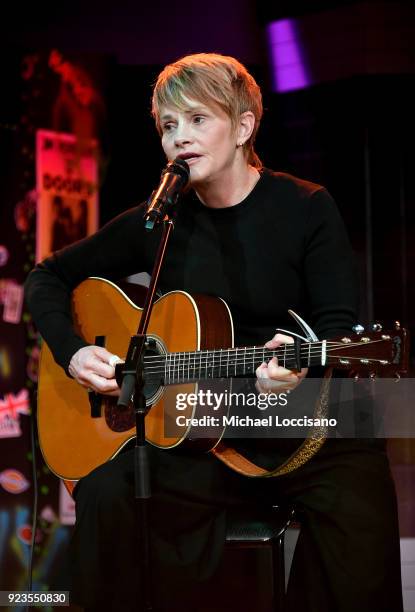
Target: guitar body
(74, 437)
(191, 341)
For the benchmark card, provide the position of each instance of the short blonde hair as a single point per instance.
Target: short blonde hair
(211, 78)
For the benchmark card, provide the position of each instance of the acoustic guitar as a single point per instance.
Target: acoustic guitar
(191, 340)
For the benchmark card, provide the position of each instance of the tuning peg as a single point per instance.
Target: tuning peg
(397, 325)
(358, 329)
(376, 327)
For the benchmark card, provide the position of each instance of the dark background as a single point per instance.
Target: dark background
(351, 130)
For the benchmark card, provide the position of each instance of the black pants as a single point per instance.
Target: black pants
(346, 559)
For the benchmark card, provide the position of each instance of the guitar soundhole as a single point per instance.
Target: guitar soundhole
(118, 419)
(123, 419)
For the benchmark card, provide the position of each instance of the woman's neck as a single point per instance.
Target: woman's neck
(229, 190)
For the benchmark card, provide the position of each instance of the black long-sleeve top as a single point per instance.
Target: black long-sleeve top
(284, 246)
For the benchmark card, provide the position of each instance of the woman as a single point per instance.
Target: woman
(265, 242)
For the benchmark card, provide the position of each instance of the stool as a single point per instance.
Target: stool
(247, 527)
(255, 526)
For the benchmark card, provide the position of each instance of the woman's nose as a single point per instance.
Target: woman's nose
(182, 136)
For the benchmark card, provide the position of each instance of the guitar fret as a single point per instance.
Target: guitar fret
(178, 367)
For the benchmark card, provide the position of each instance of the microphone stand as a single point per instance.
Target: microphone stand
(130, 377)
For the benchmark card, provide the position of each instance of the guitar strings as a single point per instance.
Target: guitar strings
(203, 357)
(311, 347)
(242, 354)
(178, 363)
(330, 345)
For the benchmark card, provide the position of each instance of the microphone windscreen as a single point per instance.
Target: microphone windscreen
(178, 166)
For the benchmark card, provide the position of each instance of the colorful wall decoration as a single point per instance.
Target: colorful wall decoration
(46, 168)
(67, 190)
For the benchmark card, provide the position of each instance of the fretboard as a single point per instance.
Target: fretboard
(182, 367)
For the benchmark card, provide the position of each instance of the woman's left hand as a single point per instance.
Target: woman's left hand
(273, 377)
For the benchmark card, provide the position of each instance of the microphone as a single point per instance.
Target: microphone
(173, 180)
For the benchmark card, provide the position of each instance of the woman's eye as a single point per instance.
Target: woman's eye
(198, 118)
(167, 127)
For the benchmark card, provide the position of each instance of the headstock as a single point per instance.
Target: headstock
(374, 353)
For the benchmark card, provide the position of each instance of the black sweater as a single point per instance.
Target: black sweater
(284, 246)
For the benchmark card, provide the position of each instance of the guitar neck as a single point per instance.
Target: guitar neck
(174, 368)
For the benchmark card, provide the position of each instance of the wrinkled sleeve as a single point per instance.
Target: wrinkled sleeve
(331, 279)
(113, 252)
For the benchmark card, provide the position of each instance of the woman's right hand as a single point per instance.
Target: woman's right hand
(93, 367)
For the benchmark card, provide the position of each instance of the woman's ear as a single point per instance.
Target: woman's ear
(245, 127)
